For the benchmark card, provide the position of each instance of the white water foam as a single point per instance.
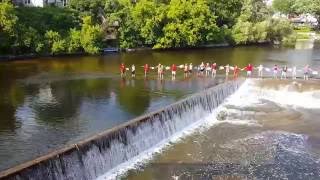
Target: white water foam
(249, 94)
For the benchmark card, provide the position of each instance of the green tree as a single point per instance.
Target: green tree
(189, 23)
(8, 18)
(148, 17)
(92, 8)
(287, 7)
(121, 11)
(252, 24)
(8, 21)
(54, 42)
(226, 11)
(90, 36)
(74, 44)
(278, 29)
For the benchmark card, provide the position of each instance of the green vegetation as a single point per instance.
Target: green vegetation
(86, 25)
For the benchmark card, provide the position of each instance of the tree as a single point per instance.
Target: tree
(278, 29)
(54, 42)
(74, 44)
(8, 21)
(8, 18)
(189, 23)
(148, 17)
(91, 8)
(287, 7)
(252, 24)
(90, 36)
(226, 11)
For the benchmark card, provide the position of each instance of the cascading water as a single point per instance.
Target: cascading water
(97, 155)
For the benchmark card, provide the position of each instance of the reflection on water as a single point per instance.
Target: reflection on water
(261, 138)
(47, 103)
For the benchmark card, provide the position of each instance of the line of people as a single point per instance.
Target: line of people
(211, 70)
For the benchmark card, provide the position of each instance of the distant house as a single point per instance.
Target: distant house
(40, 3)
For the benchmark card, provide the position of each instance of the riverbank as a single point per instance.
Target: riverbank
(6, 58)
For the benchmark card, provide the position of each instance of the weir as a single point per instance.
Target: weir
(99, 154)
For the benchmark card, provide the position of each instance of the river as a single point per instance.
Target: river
(46, 103)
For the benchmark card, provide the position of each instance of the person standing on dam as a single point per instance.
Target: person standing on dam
(294, 72)
(186, 70)
(275, 71)
(214, 70)
(260, 71)
(202, 68)
(173, 71)
(208, 69)
(122, 70)
(306, 71)
(284, 72)
(190, 69)
(249, 70)
(146, 70)
(236, 71)
(159, 70)
(133, 71)
(227, 70)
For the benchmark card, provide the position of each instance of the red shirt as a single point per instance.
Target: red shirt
(249, 68)
(214, 66)
(174, 67)
(122, 67)
(146, 67)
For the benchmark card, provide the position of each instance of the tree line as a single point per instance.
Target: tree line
(83, 26)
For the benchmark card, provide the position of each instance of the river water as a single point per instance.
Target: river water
(50, 102)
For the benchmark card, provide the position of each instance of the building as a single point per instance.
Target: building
(40, 3)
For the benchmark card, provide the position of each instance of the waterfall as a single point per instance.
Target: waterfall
(97, 155)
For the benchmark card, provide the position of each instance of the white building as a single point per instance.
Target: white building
(41, 3)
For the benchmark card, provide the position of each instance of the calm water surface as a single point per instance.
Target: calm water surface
(49, 102)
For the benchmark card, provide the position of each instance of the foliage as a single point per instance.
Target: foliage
(189, 23)
(278, 29)
(255, 25)
(90, 36)
(48, 18)
(54, 42)
(285, 6)
(74, 41)
(84, 25)
(226, 12)
(92, 8)
(8, 21)
(290, 41)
